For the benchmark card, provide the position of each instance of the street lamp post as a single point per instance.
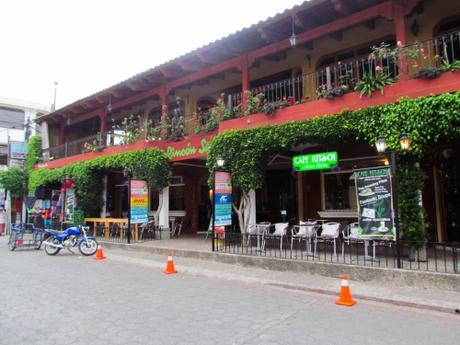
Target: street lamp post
(381, 146)
(219, 163)
(127, 175)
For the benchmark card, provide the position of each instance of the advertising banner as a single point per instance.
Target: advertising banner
(139, 202)
(69, 205)
(375, 203)
(222, 199)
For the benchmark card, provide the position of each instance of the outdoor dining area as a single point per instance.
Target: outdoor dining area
(331, 241)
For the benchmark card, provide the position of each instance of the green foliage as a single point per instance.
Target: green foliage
(78, 217)
(33, 153)
(425, 120)
(370, 82)
(14, 180)
(150, 165)
(208, 121)
(410, 182)
(453, 66)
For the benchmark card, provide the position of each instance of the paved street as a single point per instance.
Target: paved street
(69, 299)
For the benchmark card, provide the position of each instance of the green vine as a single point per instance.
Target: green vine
(150, 165)
(13, 180)
(425, 120)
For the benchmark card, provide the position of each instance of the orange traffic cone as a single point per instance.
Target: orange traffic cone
(99, 253)
(170, 265)
(345, 294)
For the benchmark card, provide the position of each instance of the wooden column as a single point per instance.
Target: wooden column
(401, 37)
(164, 113)
(103, 126)
(62, 134)
(245, 78)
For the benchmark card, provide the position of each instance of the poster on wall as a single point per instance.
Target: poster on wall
(223, 199)
(69, 205)
(139, 202)
(375, 203)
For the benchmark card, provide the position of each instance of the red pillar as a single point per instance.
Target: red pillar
(400, 31)
(103, 125)
(245, 79)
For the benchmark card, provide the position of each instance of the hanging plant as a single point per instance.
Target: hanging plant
(150, 165)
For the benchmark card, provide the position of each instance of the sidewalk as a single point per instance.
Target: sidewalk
(431, 299)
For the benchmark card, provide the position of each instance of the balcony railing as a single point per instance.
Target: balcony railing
(425, 59)
(421, 58)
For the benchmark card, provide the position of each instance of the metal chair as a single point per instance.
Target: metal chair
(257, 230)
(330, 232)
(305, 230)
(280, 231)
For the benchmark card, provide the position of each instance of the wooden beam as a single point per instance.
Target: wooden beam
(190, 66)
(302, 23)
(138, 85)
(119, 93)
(338, 36)
(270, 35)
(342, 8)
(370, 24)
(409, 5)
(170, 72)
(208, 59)
(383, 9)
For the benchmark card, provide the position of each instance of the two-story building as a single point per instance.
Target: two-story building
(306, 61)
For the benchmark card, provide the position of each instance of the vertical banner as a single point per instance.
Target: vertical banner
(139, 202)
(375, 203)
(222, 199)
(69, 205)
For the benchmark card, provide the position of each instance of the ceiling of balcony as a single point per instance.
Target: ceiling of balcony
(307, 16)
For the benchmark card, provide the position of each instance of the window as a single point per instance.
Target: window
(177, 194)
(338, 186)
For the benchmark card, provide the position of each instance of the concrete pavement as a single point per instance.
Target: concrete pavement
(126, 299)
(431, 299)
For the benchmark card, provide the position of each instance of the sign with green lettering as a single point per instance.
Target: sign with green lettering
(315, 161)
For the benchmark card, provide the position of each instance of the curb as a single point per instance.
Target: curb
(369, 298)
(363, 274)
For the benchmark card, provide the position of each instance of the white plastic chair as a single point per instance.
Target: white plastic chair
(280, 231)
(305, 230)
(330, 233)
(257, 230)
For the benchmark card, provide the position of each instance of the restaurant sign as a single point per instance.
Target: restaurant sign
(223, 199)
(375, 203)
(315, 161)
(139, 202)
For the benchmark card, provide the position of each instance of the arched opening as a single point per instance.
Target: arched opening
(447, 41)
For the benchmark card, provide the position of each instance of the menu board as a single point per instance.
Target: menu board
(375, 203)
(139, 202)
(223, 199)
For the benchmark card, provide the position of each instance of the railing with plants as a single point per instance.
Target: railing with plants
(86, 144)
(366, 75)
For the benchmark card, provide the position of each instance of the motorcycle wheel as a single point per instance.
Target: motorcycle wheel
(88, 248)
(50, 250)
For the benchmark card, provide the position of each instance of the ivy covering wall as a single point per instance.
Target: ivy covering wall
(150, 165)
(425, 120)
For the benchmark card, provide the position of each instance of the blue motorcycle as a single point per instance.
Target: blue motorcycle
(69, 238)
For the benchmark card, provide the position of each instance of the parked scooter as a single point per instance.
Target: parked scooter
(69, 238)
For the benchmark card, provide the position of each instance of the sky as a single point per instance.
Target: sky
(88, 45)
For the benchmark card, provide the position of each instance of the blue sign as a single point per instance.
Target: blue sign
(223, 209)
